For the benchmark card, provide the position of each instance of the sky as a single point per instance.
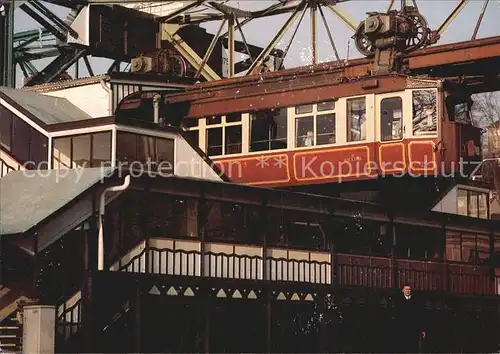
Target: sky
(261, 31)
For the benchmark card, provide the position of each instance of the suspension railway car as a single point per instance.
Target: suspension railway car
(289, 128)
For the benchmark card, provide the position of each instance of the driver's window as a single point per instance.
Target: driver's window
(391, 119)
(461, 113)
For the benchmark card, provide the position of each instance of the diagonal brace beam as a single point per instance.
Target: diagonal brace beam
(56, 32)
(344, 16)
(452, 16)
(263, 55)
(169, 33)
(60, 64)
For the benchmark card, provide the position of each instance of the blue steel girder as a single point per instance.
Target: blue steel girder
(51, 37)
(45, 24)
(67, 57)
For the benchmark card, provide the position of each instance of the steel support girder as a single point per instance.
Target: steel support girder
(344, 17)
(52, 29)
(210, 49)
(169, 33)
(49, 52)
(63, 62)
(230, 52)
(262, 56)
(452, 16)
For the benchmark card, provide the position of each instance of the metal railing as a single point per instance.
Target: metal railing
(347, 270)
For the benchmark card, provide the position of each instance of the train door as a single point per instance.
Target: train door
(390, 129)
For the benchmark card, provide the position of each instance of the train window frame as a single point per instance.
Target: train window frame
(199, 133)
(271, 142)
(314, 114)
(392, 120)
(430, 133)
(363, 127)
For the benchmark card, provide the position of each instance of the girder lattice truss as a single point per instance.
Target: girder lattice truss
(59, 38)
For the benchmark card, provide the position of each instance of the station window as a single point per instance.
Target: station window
(391, 115)
(84, 150)
(356, 119)
(26, 144)
(268, 129)
(140, 151)
(315, 124)
(472, 203)
(424, 112)
(223, 135)
(467, 247)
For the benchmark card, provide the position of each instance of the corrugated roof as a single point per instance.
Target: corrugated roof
(29, 197)
(48, 109)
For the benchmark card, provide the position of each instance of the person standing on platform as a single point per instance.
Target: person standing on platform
(410, 325)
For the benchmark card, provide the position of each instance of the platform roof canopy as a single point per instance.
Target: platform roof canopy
(29, 197)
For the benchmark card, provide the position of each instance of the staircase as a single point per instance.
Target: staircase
(11, 335)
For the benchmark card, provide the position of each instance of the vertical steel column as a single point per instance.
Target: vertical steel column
(230, 46)
(7, 39)
(3, 48)
(314, 35)
(264, 218)
(10, 67)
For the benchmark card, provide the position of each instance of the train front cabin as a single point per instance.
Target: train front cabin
(282, 134)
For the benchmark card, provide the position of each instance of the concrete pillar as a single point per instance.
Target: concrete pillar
(39, 324)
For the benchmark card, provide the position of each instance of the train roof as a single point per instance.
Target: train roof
(279, 91)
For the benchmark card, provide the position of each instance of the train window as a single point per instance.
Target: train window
(233, 140)
(424, 112)
(304, 131)
(268, 130)
(312, 128)
(304, 109)
(325, 129)
(214, 120)
(190, 122)
(461, 113)
(233, 117)
(193, 136)
(356, 119)
(214, 141)
(326, 106)
(391, 119)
